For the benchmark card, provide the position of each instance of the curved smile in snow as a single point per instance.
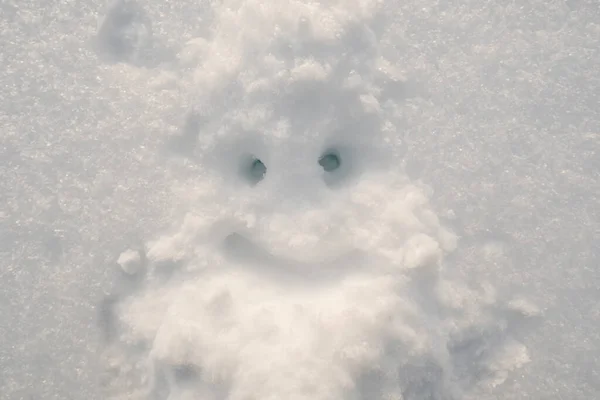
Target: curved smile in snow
(244, 250)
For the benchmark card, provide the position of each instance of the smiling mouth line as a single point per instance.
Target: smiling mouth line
(244, 251)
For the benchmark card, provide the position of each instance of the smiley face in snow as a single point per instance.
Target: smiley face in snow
(308, 265)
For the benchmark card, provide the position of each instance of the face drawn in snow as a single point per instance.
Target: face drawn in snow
(308, 265)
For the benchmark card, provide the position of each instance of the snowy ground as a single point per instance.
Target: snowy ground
(423, 222)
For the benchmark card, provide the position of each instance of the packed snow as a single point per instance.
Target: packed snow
(249, 199)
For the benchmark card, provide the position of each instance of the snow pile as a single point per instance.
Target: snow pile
(308, 265)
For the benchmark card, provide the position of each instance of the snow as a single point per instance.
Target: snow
(243, 199)
(130, 261)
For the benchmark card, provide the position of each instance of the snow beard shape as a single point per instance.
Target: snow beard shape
(308, 266)
(219, 315)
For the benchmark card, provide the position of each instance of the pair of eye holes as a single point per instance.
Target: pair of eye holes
(329, 161)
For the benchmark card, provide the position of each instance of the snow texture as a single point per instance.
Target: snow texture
(285, 279)
(242, 199)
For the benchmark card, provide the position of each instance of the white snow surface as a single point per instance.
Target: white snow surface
(423, 222)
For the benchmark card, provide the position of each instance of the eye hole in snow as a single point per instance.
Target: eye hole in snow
(339, 165)
(330, 161)
(255, 171)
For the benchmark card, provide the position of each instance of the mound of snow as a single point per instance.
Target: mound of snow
(307, 265)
